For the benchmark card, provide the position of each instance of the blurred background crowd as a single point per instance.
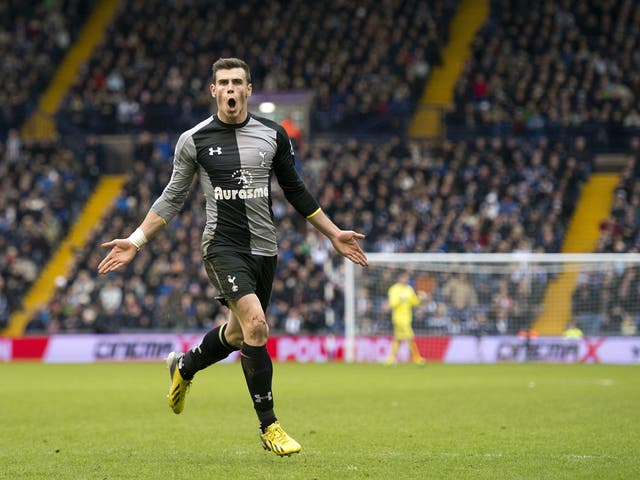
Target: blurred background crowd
(540, 96)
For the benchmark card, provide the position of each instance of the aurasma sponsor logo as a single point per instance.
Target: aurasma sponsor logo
(240, 193)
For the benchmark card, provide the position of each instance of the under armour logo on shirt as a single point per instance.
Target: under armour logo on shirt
(217, 150)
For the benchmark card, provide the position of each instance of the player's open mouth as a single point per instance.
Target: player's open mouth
(231, 102)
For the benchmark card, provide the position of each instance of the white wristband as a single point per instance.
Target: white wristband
(138, 238)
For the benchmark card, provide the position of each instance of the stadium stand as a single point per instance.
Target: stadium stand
(479, 196)
(34, 36)
(602, 301)
(44, 186)
(557, 69)
(564, 71)
(369, 61)
(450, 197)
(508, 178)
(167, 287)
(100, 91)
(620, 232)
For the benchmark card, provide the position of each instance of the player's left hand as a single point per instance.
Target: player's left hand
(346, 244)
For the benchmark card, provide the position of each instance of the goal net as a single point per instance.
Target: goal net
(497, 294)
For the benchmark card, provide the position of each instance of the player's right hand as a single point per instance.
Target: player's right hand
(122, 252)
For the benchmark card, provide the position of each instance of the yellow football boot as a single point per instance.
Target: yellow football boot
(276, 439)
(179, 386)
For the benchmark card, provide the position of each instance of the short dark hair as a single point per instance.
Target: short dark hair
(229, 63)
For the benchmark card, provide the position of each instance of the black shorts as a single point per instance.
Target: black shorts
(238, 274)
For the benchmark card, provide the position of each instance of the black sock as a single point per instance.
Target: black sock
(212, 349)
(258, 371)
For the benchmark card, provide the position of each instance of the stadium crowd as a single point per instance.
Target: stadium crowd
(621, 231)
(368, 65)
(539, 96)
(34, 36)
(560, 69)
(605, 300)
(483, 196)
(44, 186)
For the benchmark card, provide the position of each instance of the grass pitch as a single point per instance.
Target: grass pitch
(364, 421)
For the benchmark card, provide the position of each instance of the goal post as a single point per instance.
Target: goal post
(496, 294)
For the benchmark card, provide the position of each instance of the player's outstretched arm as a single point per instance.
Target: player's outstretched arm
(124, 249)
(344, 241)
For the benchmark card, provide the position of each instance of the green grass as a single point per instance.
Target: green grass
(111, 421)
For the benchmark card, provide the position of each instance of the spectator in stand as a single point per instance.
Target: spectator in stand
(589, 304)
(462, 299)
(572, 332)
(293, 130)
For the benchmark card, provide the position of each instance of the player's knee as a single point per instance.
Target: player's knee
(256, 330)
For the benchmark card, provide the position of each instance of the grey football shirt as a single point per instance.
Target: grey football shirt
(234, 163)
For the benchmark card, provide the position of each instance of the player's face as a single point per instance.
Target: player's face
(231, 91)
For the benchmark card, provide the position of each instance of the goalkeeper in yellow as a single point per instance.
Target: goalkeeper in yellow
(402, 300)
